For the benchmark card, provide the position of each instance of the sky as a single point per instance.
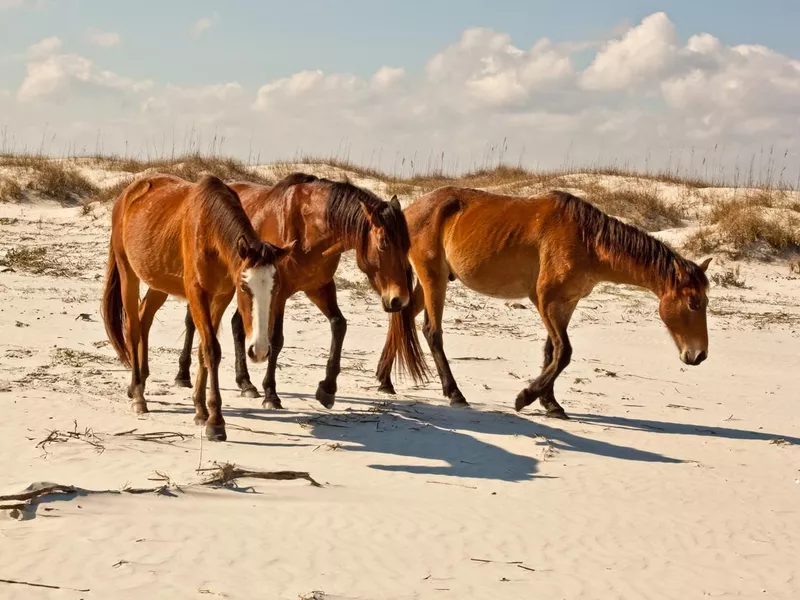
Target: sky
(706, 87)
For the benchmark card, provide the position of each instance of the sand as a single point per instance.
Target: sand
(669, 482)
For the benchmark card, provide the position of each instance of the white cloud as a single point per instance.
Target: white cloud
(641, 54)
(104, 39)
(645, 95)
(51, 74)
(202, 25)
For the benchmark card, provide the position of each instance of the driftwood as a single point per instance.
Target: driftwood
(42, 585)
(222, 475)
(226, 473)
(160, 437)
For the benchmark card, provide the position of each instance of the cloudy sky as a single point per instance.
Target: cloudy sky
(698, 85)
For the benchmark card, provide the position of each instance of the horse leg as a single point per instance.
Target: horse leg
(242, 375)
(556, 316)
(199, 396)
(325, 300)
(153, 300)
(129, 284)
(434, 285)
(182, 379)
(207, 319)
(271, 398)
(417, 305)
(548, 399)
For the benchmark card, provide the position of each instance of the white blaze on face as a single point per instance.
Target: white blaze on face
(261, 281)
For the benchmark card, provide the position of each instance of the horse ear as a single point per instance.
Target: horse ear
(369, 211)
(279, 252)
(243, 247)
(337, 248)
(705, 263)
(395, 203)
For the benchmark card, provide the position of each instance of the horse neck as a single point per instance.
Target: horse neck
(346, 238)
(225, 234)
(628, 270)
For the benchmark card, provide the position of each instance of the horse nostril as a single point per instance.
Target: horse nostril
(251, 352)
(396, 304)
(700, 357)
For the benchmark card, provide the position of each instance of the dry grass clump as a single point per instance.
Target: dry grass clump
(10, 189)
(48, 177)
(502, 179)
(191, 167)
(729, 278)
(702, 241)
(642, 206)
(37, 260)
(742, 222)
(110, 193)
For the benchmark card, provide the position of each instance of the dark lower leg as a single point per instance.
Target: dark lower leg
(271, 398)
(325, 299)
(326, 391)
(548, 398)
(542, 386)
(183, 378)
(436, 344)
(242, 375)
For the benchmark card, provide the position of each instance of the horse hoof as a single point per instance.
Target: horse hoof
(139, 407)
(458, 401)
(183, 383)
(524, 398)
(387, 388)
(325, 398)
(557, 413)
(216, 433)
(272, 403)
(250, 392)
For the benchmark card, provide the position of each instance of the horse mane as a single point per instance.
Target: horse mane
(345, 214)
(627, 243)
(227, 216)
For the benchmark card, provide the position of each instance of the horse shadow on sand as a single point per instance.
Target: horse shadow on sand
(427, 437)
(433, 439)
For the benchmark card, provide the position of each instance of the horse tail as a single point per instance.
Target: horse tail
(402, 342)
(113, 310)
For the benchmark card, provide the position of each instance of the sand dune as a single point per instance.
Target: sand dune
(669, 482)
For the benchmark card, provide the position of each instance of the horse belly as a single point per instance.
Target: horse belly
(498, 276)
(157, 265)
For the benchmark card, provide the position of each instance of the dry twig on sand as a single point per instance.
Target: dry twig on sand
(160, 437)
(223, 476)
(226, 473)
(42, 585)
(59, 437)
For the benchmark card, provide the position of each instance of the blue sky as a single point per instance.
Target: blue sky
(254, 41)
(555, 81)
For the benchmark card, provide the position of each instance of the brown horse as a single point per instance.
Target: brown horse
(328, 218)
(552, 249)
(193, 241)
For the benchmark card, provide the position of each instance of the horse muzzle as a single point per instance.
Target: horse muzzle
(257, 353)
(693, 357)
